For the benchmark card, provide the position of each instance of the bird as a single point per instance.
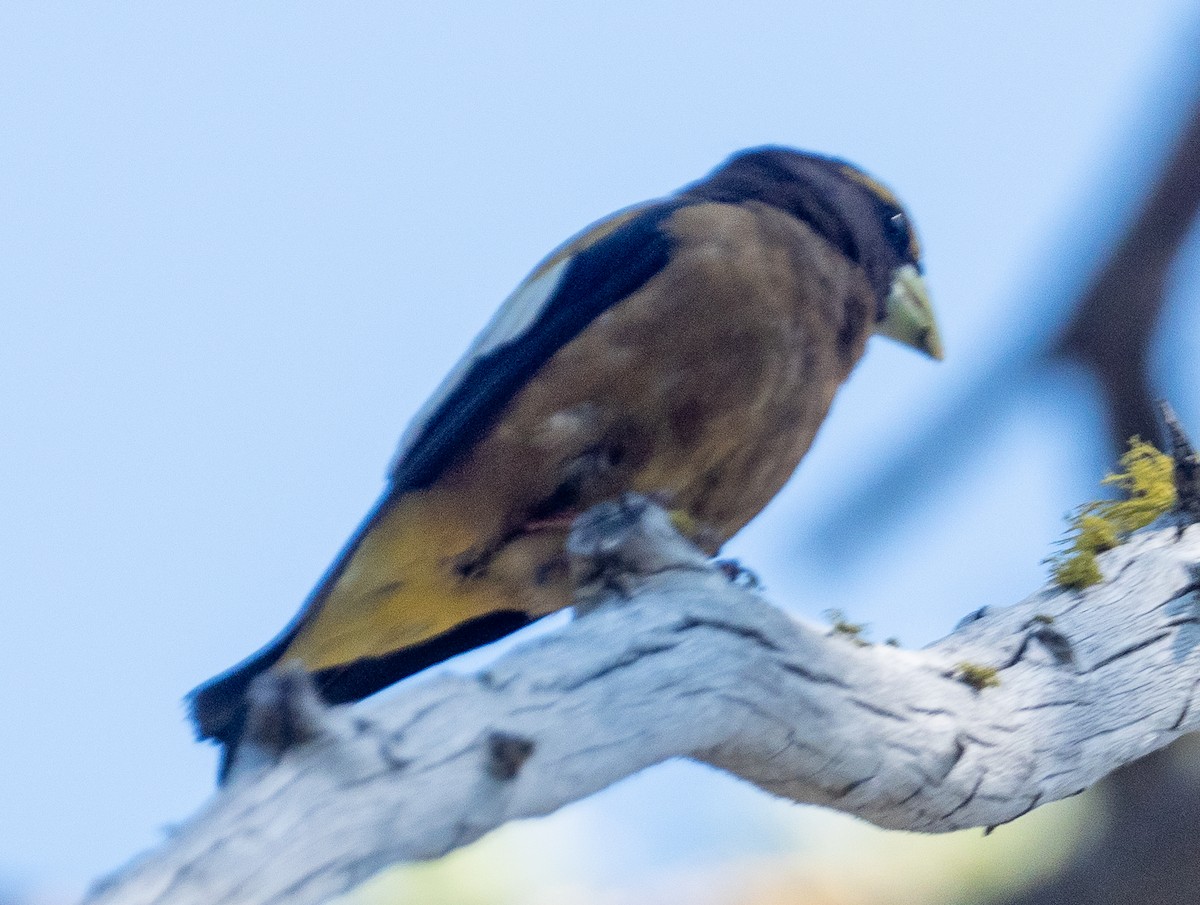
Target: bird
(686, 348)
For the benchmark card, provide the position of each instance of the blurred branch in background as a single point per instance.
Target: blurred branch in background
(1113, 326)
(1109, 326)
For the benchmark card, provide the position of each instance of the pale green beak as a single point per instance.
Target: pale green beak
(908, 316)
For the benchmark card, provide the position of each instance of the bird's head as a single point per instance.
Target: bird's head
(856, 214)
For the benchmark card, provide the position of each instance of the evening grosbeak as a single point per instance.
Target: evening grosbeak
(686, 348)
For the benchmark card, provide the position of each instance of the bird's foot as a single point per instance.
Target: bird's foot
(738, 574)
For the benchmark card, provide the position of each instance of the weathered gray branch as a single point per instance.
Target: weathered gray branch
(672, 659)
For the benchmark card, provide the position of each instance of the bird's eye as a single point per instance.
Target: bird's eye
(898, 234)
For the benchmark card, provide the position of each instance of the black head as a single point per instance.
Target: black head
(850, 209)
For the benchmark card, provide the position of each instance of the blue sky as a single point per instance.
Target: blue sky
(241, 243)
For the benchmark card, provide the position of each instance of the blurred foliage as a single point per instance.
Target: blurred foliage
(831, 859)
(887, 868)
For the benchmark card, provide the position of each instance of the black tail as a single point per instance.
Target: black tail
(218, 707)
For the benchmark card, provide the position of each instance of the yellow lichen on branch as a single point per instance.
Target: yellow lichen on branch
(1147, 487)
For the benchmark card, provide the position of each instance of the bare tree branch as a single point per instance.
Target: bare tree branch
(1019, 706)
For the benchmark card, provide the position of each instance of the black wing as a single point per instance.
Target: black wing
(597, 277)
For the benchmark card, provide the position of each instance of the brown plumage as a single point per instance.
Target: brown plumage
(688, 349)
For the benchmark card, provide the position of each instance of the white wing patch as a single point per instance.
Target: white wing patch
(513, 318)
